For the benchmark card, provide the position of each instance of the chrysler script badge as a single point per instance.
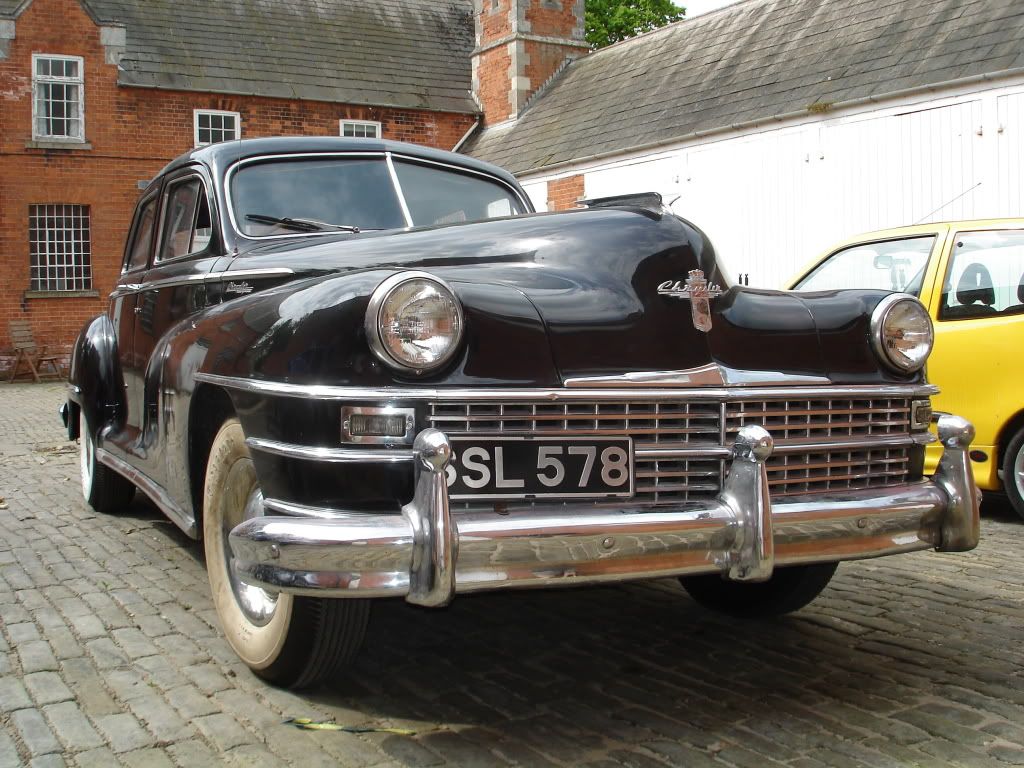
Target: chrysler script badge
(699, 292)
(242, 288)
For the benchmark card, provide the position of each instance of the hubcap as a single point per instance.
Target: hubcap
(257, 604)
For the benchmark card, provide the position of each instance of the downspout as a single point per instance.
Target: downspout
(467, 134)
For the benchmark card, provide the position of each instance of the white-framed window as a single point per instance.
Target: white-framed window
(213, 125)
(60, 247)
(360, 129)
(58, 97)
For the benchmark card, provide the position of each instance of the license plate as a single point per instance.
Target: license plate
(540, 468)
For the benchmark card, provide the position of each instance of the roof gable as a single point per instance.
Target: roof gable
(753, 61)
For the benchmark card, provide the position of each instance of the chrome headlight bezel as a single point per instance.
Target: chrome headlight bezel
(374, 330)
(880, 316)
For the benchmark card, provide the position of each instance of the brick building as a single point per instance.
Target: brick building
(97, 95)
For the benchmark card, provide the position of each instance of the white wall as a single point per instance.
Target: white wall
(773, 198)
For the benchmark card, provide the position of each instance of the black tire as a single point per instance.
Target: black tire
(293, 642)
(104, 490)
(1013, 472)
(789, 589)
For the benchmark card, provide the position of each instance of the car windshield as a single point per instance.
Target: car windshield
(891, 265)
(300, 196)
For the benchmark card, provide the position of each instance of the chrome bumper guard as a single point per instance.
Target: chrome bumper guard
(427, 554)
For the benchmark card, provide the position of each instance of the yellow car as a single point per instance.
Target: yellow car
(970, 276)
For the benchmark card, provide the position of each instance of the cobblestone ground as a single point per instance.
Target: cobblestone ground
(110, 654)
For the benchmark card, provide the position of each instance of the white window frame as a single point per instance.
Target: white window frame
(79, 81)
(223, 113)
(375, 123)
(61, 250)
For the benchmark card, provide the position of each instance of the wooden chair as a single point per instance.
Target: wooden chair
(28, 353)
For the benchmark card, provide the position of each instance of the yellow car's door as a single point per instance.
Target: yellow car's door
(977, 304)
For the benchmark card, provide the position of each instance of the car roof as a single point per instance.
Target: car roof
(225, 153)
(935, 226)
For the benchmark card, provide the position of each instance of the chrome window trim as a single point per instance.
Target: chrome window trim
(398, 188)
(470, 171)
(558, 394)
(330, 455)
(236, 166)
(171, 184)
(388, 156)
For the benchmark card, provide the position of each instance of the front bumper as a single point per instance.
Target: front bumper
(428, 553)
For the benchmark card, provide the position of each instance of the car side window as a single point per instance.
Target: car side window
(142, 236)
(186, 219)
(888, 265)
(985, 275)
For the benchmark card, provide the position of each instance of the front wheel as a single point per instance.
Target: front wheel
(103, 489)
(1013, 472)
(789, 589)
(296, 642)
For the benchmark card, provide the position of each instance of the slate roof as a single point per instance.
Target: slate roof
(752, 61)
(401, 53)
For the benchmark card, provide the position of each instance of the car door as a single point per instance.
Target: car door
(977, 305)
(174, 289)
(124, 306)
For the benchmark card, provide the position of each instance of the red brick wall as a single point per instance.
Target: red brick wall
(563, 193)
(133, 133)
(552, 22)
(539, 60)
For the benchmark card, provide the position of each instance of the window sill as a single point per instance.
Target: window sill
(43, 144)
(93, 294)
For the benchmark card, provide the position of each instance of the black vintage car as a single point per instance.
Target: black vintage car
(362, 369)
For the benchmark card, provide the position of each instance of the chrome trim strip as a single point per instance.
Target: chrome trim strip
(712, 374)
(398, 189)
(250, 273)
(151, 488)
(293, 509)
(330, 455)
(173, 282)
(395, 394)
(716, 451)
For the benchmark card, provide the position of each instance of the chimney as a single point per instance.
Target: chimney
(520, 44)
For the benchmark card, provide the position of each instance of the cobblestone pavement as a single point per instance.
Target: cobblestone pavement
(110, 654)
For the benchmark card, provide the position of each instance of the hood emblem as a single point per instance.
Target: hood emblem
(698, 291)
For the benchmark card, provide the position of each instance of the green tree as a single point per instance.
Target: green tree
(609, 21)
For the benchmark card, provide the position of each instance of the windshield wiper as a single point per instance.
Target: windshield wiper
(301, 225)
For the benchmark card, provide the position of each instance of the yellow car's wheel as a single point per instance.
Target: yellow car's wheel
(295, 642)
(1013, 472)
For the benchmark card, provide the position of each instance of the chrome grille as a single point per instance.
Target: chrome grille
(666, 434)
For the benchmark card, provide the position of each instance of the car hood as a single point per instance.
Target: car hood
(591, 279)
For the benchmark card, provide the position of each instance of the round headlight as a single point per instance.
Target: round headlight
(414, 322)
(901, 333)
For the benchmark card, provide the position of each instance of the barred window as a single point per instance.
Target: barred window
(360, 129)
(57, 105)
(213, 125)
(60, 247)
